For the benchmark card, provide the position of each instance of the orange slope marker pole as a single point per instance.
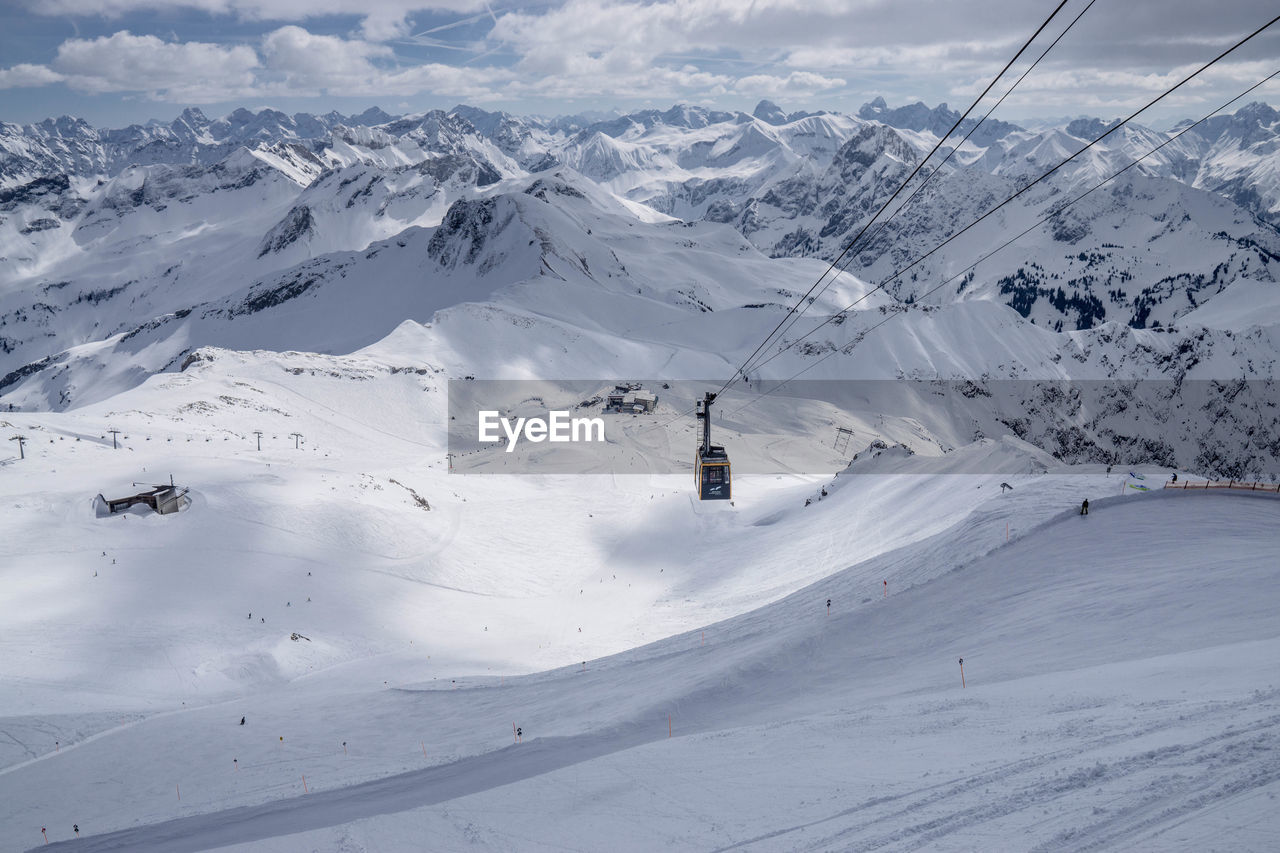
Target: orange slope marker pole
(962, 673)
(304, 784)
(668, 725)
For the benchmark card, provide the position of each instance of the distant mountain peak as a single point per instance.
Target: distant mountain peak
(938, 120)
(770, 112)
(1258, 110)
(372, 116)
(194, 115)
(873, 107)
(1090, 128)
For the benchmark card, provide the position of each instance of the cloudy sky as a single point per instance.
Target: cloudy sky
(120, 61)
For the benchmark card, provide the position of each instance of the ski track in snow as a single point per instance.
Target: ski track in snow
(1188, 773)
(916, 819)
(1159, 762)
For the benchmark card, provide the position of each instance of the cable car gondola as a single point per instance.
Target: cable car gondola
(711, 463)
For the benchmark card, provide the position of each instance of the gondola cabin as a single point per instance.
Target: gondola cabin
(711, 475)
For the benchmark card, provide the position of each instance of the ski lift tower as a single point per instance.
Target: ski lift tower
(843, 436)
(711, 464)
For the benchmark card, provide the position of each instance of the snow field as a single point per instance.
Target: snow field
(1110, 697)
(433, 632)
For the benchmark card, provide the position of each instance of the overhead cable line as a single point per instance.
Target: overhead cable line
(1056, 212)
(928, 177)
(981, 218)
(883, 224)
(899, 273)
(849, 246)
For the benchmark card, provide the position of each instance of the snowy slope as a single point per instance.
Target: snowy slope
(1086, 683)
(1241, 162)
(556, 248)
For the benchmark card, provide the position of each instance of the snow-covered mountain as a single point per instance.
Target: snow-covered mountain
(661, 242)
(937, 121)
(73, 146)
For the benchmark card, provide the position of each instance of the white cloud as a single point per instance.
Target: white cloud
(256, 10)
(890, 48)
(761, 29)
(928, 58)
(626, 49)
(795, 83)
(299, 63)
(193, 72)
(293, 62)
(719, 52)
(780, 48)
(616, 77)
(477, 84)
(1116, 93)
(309, 63)
(385, 25)
(25, 75)
(382, 20)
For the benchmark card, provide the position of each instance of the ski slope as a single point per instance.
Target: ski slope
(1121, 684)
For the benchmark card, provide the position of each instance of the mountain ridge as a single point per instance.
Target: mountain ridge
(676, 236)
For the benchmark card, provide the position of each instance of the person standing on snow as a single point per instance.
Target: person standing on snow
(1084, 507)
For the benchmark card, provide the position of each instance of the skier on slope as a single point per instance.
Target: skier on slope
(1084, 507)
